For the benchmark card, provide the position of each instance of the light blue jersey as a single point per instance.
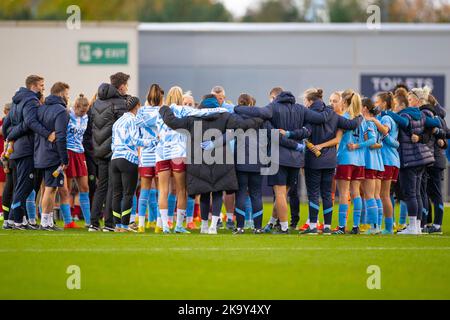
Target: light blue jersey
(75, 131)
(389, 152)
(228, 106)
(126, 139)
(172, 144)
(352, 157)
(373, 158)
(146, 120)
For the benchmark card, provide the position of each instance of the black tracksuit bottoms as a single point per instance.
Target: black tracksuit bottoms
(124, 184)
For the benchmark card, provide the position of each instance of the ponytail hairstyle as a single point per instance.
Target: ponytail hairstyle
(155, 95)
(421, 94)
(175, 96)
(81, 101)
(388, 98)
(401, 96)
(432, 100)
(313, 94)
(246, 100)
(353, 100)
(369, 105)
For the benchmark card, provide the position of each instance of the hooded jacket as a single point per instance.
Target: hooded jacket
(284, 113)
(54, 116)
(108, 107)
(22, 123)
(412, 121)
(431, 139)
(202, 177)
(321, 133)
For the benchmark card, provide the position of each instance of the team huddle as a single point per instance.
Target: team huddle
(139, 166)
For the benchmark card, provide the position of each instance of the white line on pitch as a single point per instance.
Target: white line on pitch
(114, 250)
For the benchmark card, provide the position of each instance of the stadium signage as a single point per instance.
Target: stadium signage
(100, 53)
(373, 83)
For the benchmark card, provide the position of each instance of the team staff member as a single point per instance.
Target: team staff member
(434, 175)
(51, 159)
(21, 124)
(109, 106)
(284, 113)
(414, 157)
(124, 163)
(319, 171)
(209, 180)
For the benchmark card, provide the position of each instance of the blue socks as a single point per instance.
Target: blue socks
(31, 206)
(372, 211)
(389, 224)
(343, 215)
(85, 205)
(65, 211)
(190, 208)
(363, 212)
(133, 210)
(248, 209)
(380, 212)
(172, 202)
(357, 208)
(143, 202)
(153, 203)
(403, 212)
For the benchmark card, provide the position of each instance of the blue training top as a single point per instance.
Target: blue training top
(352, 157)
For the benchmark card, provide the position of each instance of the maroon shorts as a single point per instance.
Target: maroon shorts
(174, 165)
(349, 172)
(373, 174)
(390, 173)
(147, 172)
(77, 165)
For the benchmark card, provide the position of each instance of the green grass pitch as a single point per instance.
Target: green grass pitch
(150, 266)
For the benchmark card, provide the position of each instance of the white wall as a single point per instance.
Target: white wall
(50, 49)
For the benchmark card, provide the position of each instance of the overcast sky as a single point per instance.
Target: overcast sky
(239, 7)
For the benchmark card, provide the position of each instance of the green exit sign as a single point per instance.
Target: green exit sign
(103, 53)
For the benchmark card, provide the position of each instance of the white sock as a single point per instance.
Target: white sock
(308, 221)
(164, 217)
(413, 222)
(313, 225)
(141, 221)
(132, 218)
(437, 226)
(204, 224)
(24, 221)
(214, 221)
(50, 219)
(229, 216)
(170, 219)
(181, 213)
(189, 219)
(327, 226)
(273, 220)
(32, 221)
(159, 222)
(44, 220)
(284, 226)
